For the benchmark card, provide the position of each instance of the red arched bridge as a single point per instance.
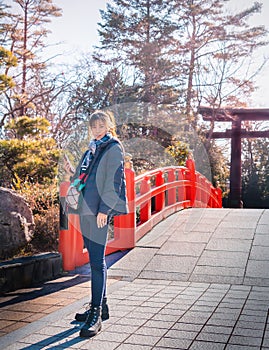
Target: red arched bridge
(152, 197)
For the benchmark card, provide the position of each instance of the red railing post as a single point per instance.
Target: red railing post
(211, 200)
(190, 164)
(171, 193)
(67, 239)
(82, 255)
(197, 198)
(124, 225)
(209, 195)
(181, 187)
(204, 196)
(219, 196)
(145, 208)
(159, 198)
(214, 198)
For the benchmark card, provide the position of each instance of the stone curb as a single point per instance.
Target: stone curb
(28, 271)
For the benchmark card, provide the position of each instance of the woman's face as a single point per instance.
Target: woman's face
(99, 129)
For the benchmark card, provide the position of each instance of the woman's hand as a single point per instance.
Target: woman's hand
(68, 167)
(101, 220)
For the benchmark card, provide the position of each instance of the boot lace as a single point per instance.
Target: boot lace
(92, 317)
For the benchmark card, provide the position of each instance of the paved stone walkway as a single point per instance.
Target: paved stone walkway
(198, 280)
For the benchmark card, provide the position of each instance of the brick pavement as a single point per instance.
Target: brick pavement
(198, 280)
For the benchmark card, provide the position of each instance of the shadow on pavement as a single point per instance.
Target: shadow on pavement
(79, 275)
(61, 339)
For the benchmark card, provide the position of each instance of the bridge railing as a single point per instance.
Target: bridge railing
(152, 197)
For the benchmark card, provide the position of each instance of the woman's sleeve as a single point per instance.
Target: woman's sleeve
(110, 177)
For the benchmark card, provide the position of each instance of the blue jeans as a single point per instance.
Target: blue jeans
(95, 241)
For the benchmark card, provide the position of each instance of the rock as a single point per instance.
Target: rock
(16, 221)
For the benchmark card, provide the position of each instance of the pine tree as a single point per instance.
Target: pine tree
(7, 59)
(141, 35)
(30, 154)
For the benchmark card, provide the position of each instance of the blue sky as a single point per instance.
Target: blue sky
(76, 30)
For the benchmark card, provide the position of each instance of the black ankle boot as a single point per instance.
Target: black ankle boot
(93, 323)
(104, 312)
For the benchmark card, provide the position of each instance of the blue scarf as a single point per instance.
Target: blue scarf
(93, 145)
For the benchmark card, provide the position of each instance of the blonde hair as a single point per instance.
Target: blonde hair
(107, 118)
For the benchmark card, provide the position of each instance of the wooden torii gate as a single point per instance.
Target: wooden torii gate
(236, 133)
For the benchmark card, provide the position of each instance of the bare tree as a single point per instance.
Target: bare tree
(218, 52)
(24, 36)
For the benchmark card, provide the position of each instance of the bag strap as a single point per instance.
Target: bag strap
(84, 175)
(99, 151)
(90, 166)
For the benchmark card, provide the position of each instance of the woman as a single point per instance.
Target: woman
(104, 196)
